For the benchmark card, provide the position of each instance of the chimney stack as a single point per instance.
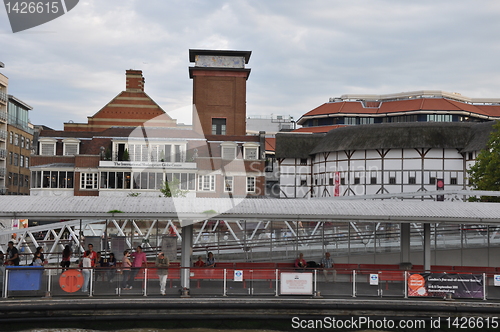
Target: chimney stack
(134, 81)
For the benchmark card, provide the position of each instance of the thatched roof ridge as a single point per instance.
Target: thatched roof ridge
(399, 136)
(296, 145)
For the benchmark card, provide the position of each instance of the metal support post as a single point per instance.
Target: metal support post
(187, 242)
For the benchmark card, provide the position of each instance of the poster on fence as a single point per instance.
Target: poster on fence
(444, 285)
(296, 283)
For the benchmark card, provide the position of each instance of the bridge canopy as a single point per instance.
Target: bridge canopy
(192, 210)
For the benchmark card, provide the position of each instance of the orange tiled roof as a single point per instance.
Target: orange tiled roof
(316, 129)
(408, 105)
(270, 143)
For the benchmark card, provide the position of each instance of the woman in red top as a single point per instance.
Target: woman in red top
(300, 263)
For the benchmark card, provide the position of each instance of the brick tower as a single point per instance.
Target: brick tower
(219, 91)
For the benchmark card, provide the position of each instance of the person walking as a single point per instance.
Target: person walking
(162, 264)
(139, 258)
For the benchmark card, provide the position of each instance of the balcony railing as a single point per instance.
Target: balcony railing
(3, 135)
(3, 171)
(3, 97)
(3, 153)
(3, 116)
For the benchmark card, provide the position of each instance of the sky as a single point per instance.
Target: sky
(303, 52)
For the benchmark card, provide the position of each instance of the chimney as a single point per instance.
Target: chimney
(134, 81)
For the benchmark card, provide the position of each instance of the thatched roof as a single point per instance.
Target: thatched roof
(296, 145)
(464, 136)
(480, 135)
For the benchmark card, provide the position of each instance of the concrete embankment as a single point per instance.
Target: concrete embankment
(230, 313)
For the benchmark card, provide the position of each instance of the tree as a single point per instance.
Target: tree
(485, 173)
(172, 188)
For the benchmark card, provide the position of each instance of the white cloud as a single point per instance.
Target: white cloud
(302, 52)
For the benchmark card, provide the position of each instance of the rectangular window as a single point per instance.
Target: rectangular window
(48, 149)
(357, 180)
(206, 183)
(251, 153)
(21, 180)
(303, 183)
(88, 181)
(27, 162)
(228, 184)
(70, 149)
(229, 152)
(412, 180)
(9, 182)
(453, 181)
(342, 181)
(178, 153)
(373, 180)
(15, 179)
(303, 161)
(330, 181)
(392, 180)
(27, 143)
(22, 141)
(11, 158)
(16, 159)
(11, 138)
(218, 126)
(191, 181)
(16, 139)
(167, 153)
(21, 161)
(432, 180)
(250, 184)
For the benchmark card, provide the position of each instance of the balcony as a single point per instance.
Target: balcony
(3, 135)
(3, 171)
(3, 116)
(3, 153)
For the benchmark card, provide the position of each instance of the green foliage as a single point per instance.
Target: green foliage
(172, 188)
(485, 173)
(133, 194)
(115, 211)
(125, 156)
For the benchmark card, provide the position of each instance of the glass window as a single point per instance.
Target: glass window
(228, 184)
(70, 149)
(22, 141)
(251, 153)
(27, 162)
(48, 149)
(250, 184)
(21, 161)
(218, 126)
(206, 183)
(16, 159)
(88, 180)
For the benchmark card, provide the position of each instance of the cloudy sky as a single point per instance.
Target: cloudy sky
(303, 52)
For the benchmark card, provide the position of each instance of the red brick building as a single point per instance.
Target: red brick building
(131, 146)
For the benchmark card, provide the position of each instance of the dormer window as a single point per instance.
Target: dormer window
(47, 146)
(228, 150)
(71, 146)
(251, 151)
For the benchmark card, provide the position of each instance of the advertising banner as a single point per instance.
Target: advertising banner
(443, 284)
(296, 283)
(337, 184)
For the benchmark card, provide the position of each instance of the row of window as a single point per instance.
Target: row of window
(129, 180)
(412, 179)
(19, 180)
(19, 140)
(350, 120)
(19, 160)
